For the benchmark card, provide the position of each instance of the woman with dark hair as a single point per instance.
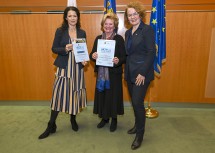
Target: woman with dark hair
(69, 91)
(139, 68)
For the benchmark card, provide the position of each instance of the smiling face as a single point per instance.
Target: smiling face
(108, 26)
(72, 18)
(133, 16)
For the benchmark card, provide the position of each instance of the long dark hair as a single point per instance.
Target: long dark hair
(64, 25)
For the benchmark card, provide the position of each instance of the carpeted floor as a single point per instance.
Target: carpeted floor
(176, 130)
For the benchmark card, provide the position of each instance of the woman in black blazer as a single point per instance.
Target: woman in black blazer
(69, 91)
(139, 71)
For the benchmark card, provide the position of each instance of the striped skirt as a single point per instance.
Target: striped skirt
(69, 91)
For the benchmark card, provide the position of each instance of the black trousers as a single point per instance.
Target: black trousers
(137, 94)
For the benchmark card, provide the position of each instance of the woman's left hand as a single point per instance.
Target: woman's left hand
(140, 80)
(115, 60)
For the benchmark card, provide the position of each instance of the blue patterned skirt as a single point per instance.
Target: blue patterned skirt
(69, 90)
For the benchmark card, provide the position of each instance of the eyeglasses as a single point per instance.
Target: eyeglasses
(133, 14)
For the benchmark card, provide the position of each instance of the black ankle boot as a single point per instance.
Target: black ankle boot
(137, 142)
(74, 123)
(113, 125)
(133, 130)
(102, 123)
(50, 129)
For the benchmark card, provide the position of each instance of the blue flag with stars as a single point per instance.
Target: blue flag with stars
(158, 22)
(109, 6)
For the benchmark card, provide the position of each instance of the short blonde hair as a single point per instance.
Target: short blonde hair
(140, 9)
(111, 16)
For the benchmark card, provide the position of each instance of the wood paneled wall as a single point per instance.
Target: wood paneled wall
(26, 60)
(188, 46)
(85, 5)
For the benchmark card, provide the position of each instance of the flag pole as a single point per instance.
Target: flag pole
(150, 112)
(158, 23)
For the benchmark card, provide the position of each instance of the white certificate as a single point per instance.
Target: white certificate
(80, 50)
(105, 51)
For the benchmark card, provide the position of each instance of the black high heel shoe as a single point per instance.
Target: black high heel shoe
(137, 142)
(113, 125)
(50, 129)
(102, 123)
(74, 123)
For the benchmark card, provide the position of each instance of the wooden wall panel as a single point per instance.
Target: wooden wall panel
(91, 3)
(210, 81)
(188, 44)
(26, 56)
(26, 59)
(85, 5)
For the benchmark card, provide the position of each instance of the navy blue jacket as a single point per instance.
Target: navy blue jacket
(60, 41)
(140, 50)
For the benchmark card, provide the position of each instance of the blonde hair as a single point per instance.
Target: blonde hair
(140, 9)
(111, 16)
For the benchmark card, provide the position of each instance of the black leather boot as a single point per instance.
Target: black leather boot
(133, 130)
(137, 142)
(113, 125)
(74, 123)
(102, 123)
(50, 129)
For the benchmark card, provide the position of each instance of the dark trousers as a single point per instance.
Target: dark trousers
(137, 94)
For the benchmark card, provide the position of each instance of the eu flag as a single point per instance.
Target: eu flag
(158, 22)
(109, 6)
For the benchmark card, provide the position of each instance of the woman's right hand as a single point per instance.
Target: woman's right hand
(95, 55)
(140, 80)
(69, 47)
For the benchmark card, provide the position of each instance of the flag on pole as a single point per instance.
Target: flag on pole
(158, 22)
(109, 6)
(71, 3)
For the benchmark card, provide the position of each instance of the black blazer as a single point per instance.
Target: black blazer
(141, 54)
(60, 41)
(119, 53)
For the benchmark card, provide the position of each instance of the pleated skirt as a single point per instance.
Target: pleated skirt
(69, 90)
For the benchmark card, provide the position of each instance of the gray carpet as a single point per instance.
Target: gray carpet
(176, 130)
